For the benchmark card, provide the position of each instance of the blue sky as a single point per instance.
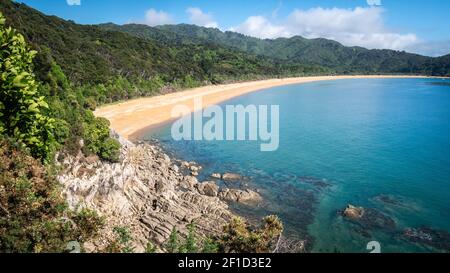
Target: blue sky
(412, 25)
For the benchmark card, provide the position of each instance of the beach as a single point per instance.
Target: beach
(131, 118)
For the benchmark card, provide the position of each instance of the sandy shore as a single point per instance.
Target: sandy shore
(133, 117)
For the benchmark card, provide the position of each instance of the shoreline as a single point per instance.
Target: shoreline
(131, 119)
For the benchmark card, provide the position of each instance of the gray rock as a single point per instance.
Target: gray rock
(175, 168)
(144, 192)
(208, 188)
(231, 177)
(188, 182)
(240, 196)
(216, 175)
(194, 168)
(353, 212)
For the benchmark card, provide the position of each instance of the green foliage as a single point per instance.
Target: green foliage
(238, 237)
(33, 215)
(210, 246)
(61, 130)
(88, 223)
(121, 243)
(172, 245)
(150, 248)
(21, 106)
(190, 244)
(97, 140)
(110, 150)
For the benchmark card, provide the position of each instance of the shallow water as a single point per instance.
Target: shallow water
(376, 143)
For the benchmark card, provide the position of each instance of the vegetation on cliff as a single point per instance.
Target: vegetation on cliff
(33, 215)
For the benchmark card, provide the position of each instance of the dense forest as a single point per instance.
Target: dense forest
(91, 54)
(330, 55)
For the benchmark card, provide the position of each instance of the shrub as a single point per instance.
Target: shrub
(172, 245)
(150, 248)
(121, 243)
(21, 106)
(97, 140)
(33, 215)
(61, 130)
(110, 150)
(238, 237)
(190, 244)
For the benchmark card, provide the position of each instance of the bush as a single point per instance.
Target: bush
(21, 106)
(97, 140)
(61, 130)
(33, 215)
(121, 243)
(238, 237)
(190, 244)
(110, 150)
(172, 245)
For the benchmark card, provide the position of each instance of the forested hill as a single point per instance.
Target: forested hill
(186, 55)
(326, 53)
(91, 54)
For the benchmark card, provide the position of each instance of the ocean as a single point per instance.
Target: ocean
(380, 144)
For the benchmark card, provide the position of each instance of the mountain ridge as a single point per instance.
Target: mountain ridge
(187, 55)
(297, 49)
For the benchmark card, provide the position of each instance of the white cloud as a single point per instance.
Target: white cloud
(154, 18)
(352, 27)
(374, 2)
(198, 17)
(261, 27)
(73, 2)
(431, 48)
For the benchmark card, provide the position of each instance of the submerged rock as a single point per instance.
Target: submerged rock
(313, 181)
(439, 239)
(231, 177)
(240, 196)
(388, 200)
(368, 218)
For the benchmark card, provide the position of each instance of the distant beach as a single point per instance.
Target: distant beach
(133, 117)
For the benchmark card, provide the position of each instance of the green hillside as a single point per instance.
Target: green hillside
(91, 54)
(296, 50)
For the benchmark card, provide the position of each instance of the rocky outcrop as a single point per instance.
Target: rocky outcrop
(145, 192)
(352, 212)
(241, 196)
(208, 188)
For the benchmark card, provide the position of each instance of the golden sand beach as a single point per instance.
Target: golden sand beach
(131, 118)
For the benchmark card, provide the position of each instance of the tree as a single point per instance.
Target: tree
(21, 107)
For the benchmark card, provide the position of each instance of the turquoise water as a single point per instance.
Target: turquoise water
(344, 141)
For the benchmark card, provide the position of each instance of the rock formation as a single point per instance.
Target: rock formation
(145, 192)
